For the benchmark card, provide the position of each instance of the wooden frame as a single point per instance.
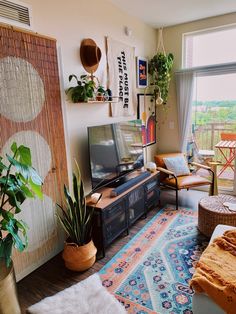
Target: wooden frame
(142, 72)
(147, 114)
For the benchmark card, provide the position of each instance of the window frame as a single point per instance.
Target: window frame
(201, 32)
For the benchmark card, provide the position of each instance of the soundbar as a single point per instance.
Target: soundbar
(131, 182)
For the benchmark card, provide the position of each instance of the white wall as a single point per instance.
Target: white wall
(169, 140)
(70, 22)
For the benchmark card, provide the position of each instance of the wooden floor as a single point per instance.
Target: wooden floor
(53, 277)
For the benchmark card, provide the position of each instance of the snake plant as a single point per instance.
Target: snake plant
(76, 218)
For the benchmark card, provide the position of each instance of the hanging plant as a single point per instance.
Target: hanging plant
(160, 67)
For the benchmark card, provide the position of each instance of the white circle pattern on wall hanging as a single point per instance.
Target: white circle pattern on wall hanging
(40, 150)
(40, 216)
(22, 93)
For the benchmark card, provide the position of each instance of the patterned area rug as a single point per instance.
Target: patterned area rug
(151, 273)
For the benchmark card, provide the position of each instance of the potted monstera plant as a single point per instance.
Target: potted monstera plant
(18, 181)
(76, 219)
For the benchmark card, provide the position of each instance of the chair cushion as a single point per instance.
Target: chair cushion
(185, 182)
(178, 165)
(159, 158)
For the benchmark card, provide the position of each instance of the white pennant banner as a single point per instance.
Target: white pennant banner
(121, 68)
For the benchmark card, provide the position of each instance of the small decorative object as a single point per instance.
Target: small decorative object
(79, 251)
(83, 90)
(18, 181)
(90, 55)
(101, 94)
(151, 166)
(231, 206)
(142, 72)
(160, 67)
(95, 197)
(147, 114)
(109, 93)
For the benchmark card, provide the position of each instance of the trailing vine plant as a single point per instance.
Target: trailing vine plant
(160, 67)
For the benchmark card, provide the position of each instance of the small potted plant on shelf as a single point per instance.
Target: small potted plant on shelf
(83, 90)
(101, 94)
(18, 181)
(160, 67)
(76, 219)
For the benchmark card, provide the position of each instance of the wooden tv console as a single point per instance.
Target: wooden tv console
(114, 215)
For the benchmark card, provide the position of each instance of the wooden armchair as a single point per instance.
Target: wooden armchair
(170, 180)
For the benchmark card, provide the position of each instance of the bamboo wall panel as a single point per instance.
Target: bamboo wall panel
(31, 114)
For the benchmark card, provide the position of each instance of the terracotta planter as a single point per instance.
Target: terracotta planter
(79, 258)
(8, 294)
(100, 97)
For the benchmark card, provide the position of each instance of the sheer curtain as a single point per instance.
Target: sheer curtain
(184, 92)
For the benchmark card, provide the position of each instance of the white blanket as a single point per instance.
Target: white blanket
(85, 297)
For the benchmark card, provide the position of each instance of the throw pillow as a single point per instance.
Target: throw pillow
(178, 165)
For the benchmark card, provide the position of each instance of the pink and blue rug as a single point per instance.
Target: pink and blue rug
(151, 273)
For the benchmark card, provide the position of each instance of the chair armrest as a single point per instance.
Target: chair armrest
(200, 165)
(210, 170)
(171, 173)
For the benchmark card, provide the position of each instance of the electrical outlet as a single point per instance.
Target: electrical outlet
(171, 125)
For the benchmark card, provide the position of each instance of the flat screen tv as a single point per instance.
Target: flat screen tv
(115, 150)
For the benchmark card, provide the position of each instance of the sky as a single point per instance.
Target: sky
(219, 87)
(214, 48)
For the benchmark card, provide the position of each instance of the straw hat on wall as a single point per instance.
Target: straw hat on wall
(90, 55)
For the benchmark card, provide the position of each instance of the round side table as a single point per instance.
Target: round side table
(212, 212)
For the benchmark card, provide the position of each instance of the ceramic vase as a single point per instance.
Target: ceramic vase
(8, 294)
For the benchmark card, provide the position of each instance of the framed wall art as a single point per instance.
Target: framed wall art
(142, 72)
(147, 114)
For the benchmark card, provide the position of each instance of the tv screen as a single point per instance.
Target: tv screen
(115, 150)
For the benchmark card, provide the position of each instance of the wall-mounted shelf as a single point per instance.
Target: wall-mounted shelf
(102, 101)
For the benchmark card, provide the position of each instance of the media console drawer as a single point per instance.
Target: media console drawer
(135, 204)
(114, 222)
(115, 215)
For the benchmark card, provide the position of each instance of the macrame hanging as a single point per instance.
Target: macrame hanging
(160, 67)
(155, 87)
(160, 42)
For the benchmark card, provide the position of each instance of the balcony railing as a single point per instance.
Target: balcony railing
(207, 136)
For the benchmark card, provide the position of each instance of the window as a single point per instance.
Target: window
(210, 47)
(212, 55)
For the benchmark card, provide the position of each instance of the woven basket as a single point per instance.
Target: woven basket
(212, 212)
(79, 258)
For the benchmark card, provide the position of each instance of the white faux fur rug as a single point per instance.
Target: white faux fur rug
(85, 297)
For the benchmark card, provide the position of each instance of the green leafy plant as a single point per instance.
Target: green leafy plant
(101, 90)
(76, 219)
(83, 90)
(159, 68)
(101, 93)
(18, 181)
